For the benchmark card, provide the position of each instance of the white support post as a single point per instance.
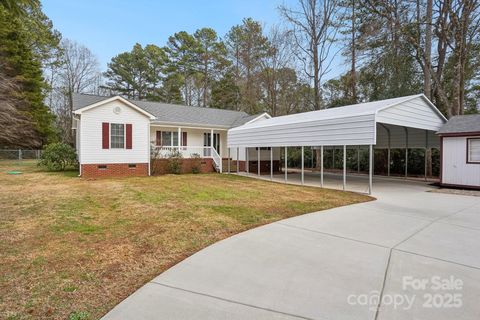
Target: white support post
(344, 167)
(321, 166)
(229, 160)
(358, 159)
(285, 169)
(19, 154)
(179, 142)
(258, 161)
(406, 152)
(271, 163)
(370, 169)
(238, 162)
(211, 142)
(303, 166)
(426, 150)
(247, 162)
(333, 158)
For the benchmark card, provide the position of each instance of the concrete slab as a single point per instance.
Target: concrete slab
(361, 223)
(154, 301)
(417, 267)
(447, 242)
(285, 269)
(469, 218)
(309, 266)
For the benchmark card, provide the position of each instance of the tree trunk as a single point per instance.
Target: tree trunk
(427, 86)
(354, 58)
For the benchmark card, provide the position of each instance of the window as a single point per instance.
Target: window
(473, 150)
(132, 165)
(117, 135)
(167, 138)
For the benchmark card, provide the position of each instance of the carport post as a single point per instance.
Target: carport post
(406, 152)
(229, 160)
(321, 166)
(370, 169)
(344, 167)
(333, 158)
(285, 168)
(358, 159)
(426, 148)
(303, 165)
(258, 161)
(247, 163)
(271, 163)
(238, 155)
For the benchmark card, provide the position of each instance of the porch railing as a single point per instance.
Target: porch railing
(190, 152)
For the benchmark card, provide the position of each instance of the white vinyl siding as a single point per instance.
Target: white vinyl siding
(359, 130)
(474, 150)
(91, 135)
(415, 113)
(455, 169)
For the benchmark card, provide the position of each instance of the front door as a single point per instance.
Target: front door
(207, 142)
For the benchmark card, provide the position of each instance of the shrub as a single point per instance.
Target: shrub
(58, 156)
(175, 162)
(196, 163)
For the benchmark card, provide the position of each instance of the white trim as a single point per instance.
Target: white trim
(125, 101)
(421, 95)
(258, 117)
(176, 125)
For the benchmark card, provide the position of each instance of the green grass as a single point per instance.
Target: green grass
(72, 248)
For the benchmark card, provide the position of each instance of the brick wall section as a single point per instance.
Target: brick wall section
(233, 165)
(160, 166)
(114, 170)
(264, 166)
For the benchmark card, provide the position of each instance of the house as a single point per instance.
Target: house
(460, 152)
(118, 137)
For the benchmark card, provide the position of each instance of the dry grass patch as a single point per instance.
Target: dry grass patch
(75, 248)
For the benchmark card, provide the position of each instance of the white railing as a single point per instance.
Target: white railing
(189, 152)
(217, 159)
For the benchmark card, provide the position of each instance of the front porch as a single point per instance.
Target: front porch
(196, 146)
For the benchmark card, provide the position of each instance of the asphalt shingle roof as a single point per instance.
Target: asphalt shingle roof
(165, 112)
(461, 124)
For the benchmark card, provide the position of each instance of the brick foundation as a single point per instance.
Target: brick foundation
(205, 165)
(103, 170)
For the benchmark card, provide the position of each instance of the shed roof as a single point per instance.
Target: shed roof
(174, 113)
(461, 124)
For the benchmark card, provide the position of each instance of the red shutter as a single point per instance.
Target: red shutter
(184, 139)
(128, 140)
(105, 135)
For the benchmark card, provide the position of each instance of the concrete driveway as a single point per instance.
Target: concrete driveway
(416, 251)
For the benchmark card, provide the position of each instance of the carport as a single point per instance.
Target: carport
(404, 122)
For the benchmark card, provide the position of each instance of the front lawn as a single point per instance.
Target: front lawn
(75, 248)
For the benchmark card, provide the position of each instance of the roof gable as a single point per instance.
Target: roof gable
(115, 98)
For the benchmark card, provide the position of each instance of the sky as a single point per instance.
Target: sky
(109, 27)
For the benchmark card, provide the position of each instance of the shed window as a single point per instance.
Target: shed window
(117, 135)
(473, 150)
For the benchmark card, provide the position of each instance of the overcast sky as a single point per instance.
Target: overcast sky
(109, 27)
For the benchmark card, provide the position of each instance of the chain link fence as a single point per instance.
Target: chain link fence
(20, 154)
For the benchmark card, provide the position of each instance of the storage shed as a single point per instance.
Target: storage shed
(460, 152)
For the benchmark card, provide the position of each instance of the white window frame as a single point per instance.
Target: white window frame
(172, 133)
(124, 136)
(469, 141)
